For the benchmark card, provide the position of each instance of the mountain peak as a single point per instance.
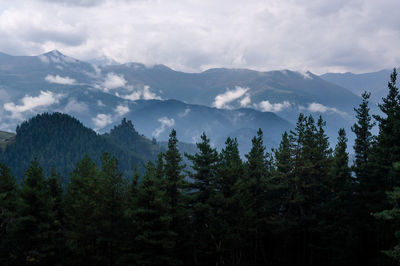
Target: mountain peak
(56, 56)
(54, 52)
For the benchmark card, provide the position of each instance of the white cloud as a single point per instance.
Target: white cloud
(100, 103)
(121, 110)
(114, 81)
(266, 106)
(165, 123)
(223, 100)
(138, 94)
(31, 103)
(102, 120)
(320, 108)
(245, 101)
(185, 113)
(74, 106)
(359, 35)
(60, 80)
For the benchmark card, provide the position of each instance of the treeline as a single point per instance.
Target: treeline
(300, 204)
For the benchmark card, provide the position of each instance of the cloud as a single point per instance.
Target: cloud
(82, 3)
(138, 94)
(60, 80)
(100, 103)
(264, 35)
(121, 110)
(32, 103)
(165, 123)
(245, 101)
(113, 81)
(266, 106)
(74, 106)
(102, 120)
(320, 108)
(223, 100)
(185, 113)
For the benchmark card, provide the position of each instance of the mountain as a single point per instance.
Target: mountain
(374, 82)
(59, 140)
(220, 101)
(5, 139)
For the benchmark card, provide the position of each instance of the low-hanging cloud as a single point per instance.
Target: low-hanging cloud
(185, 113)
(121, 110)
(113, 81)
(145, 93)
(165, 123)
(74, 106)
(320, 108)
(102, 120)
(60, 80)
(223, 100)
(32, 103)
(266, 106)
(245, 101)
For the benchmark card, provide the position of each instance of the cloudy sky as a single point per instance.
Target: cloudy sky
(194, 35)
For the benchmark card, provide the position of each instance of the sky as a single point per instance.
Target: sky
(195, 35)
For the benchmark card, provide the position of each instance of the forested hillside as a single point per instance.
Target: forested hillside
(59, 141)
(300, 204)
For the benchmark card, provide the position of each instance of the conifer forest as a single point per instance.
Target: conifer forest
(303, 203)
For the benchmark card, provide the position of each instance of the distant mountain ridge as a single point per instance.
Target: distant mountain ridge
(374, 82)
(100, 95)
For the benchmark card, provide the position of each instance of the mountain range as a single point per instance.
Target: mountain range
(222, 102)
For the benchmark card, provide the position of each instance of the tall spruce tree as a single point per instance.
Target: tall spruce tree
(229, 171)
(175, 187)
(110, 205)
(204, 199)
(8, 203)
(155, 241)
(33, 229)
(364, 140)
(336, 222)
(388, 140)
(81, 201)
(252, 191)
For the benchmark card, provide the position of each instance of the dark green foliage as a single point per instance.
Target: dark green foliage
(204, 199)
(299, 205)
(393, 215)
(364, 140)
(175, 187)
(82, 193)
(59, 141)
(8, 204)
(34, 229)
(155, 241)
(126, 137)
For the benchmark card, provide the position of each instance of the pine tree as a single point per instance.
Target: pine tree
(393, 215)
(204, 165)
(110, 207)
(55, 190)
(364, 139)
(336, 224)
(227, 203)
(8, 203)
(175, 187)
(81, 201)
(34, 226)
(155, 240)
(388, 140)
(253, 194)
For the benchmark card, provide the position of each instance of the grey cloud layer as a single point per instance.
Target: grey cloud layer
(318, 35)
